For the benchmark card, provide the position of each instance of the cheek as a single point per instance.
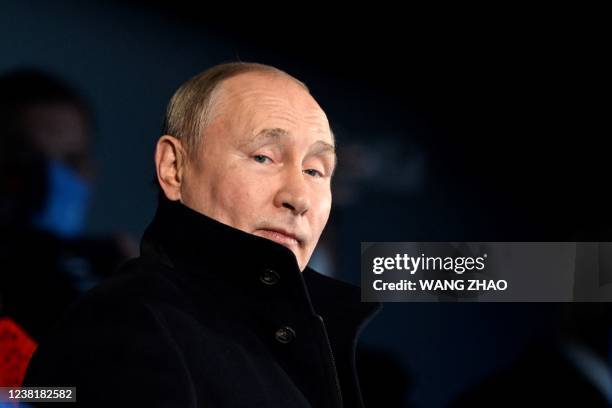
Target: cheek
(321, 214)
(241, 196)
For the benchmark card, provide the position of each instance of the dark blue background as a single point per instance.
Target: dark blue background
(501, 120)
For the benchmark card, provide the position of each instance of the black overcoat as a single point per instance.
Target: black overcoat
(208, 316)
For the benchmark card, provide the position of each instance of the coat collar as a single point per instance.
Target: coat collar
(190, 238)
(202, 247)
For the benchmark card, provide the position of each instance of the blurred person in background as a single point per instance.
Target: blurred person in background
(46, 181)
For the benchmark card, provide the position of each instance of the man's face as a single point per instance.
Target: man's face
(265, 163)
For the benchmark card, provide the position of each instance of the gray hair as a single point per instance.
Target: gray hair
(189, 109)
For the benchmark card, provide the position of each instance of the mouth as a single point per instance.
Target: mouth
(281, 237)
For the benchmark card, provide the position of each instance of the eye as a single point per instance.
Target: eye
(260, 158)
(313, 173)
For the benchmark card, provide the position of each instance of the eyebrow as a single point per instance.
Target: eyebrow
(274, 135)
(266, 136)
(321, 147)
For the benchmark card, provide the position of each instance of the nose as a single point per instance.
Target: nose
(293, 194)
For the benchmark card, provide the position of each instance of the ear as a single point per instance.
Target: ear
(169, 164)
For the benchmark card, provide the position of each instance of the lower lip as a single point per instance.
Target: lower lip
(279, 238)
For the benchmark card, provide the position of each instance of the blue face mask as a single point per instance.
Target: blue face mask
(65, 208)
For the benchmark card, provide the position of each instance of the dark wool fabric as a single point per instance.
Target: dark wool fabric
(208, 316)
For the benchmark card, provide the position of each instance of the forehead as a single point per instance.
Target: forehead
(253, 101)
